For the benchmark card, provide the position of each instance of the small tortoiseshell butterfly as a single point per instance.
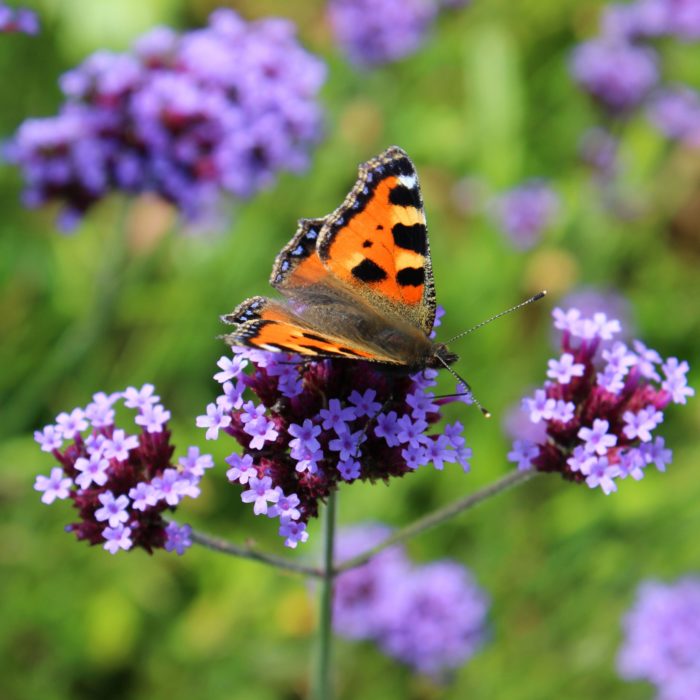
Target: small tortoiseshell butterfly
(358, 283)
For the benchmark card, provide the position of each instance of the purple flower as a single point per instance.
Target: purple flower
(55, 486)
(93, 470)
(190, 117)
(365, 405)
(153, 418)
(431, 618)
(69, 424)
(215, 419)
(349, 469)
(286, 506)
(616, 73)
(597, 426)
(676, 382)
(50, 438)
(140, 398)
(523, 453)
(113, 509)
(261, 493)
(341, 426)
(523, 213)
(304, 438)
(119, 484)
(372, 32)
(564, 369)
(231, 368)
(242, 468)
(18, 20)
(119, 445)
(662, 638)
(675, 112)
(597, 440)
(335, 417)
(178, 538)
(293, 531)
(639, 425)
(117, 537)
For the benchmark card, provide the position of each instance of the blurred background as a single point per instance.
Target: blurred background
(485, 101)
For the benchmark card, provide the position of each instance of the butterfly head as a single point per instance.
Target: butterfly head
(441, 357)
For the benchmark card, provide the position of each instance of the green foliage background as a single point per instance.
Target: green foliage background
(127, 299)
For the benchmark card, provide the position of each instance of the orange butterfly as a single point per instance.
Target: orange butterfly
(358, 283)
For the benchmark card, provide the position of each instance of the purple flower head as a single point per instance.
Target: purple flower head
(675, 112)
(190, 117)
(598, 426)
(18, 20)
(523, 213)
(346, 422)
(119, 483)
(616, 73)
(662, 638)
(431, 618)
(373, 32)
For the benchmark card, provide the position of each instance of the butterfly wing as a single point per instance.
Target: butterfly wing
(273, 325)
(376, 242)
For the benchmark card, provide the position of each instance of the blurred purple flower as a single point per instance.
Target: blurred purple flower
(675, 112)
(372, 32)
(618, 74)
(430, 617)
(18, 20)
(662, 638)
(120, 484)
(598, 149)
(599, 422)
(219, 110)
(524, 212)
(313, 425)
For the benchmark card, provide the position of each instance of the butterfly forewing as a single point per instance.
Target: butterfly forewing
(377, 240)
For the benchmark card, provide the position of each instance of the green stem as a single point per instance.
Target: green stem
(325, 632)
(439, 516)
(244, 552)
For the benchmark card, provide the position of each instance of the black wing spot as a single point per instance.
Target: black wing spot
(380, 227)
(367, 244)
(411, 277)
(402, 196)
(314, 337)
(410, 237)
(368, 271)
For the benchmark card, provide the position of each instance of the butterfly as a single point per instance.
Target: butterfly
(356, 284)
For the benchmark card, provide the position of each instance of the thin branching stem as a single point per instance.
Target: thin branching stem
(244, 552)
(439, 516)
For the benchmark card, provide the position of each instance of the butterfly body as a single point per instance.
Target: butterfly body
(356, 284)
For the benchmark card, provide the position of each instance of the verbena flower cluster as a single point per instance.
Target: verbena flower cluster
(431, 617)
(622, 67)
(121, 483)
(594, 419)
(305, 427)
(662, 638)
(524, 212)
(188, 117)
(18, 20)
(374, 32)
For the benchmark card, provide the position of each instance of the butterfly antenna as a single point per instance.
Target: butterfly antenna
(470, 391)
(537, 296)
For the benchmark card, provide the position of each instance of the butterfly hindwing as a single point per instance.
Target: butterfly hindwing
(271, 325)
(376, 242)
